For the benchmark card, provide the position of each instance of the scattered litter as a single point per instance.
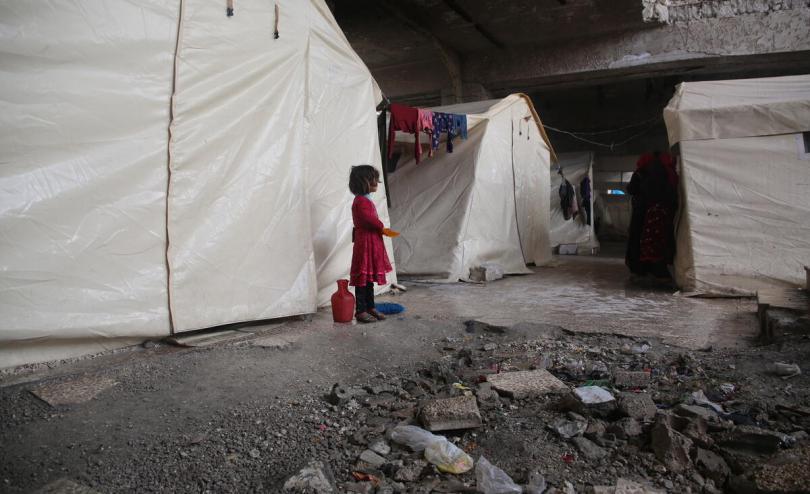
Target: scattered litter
(438, 450)
(699, 398)
(492, 480)
(568, 458)
(448, 457)
(785, 371)
(593, 395)
(727, 389)
(639, 348)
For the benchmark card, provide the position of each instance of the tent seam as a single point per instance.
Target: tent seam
(172, 101)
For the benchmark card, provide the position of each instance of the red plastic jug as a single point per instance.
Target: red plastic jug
(342, 303)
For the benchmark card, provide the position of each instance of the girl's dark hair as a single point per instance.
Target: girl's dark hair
(360, 178)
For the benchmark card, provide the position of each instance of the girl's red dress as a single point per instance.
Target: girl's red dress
(369, 258)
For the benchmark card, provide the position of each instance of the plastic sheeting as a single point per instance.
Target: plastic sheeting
(241, 213)
(738, 108)
(487, 202)
(575, 167)
(84, 138)
(745, 219)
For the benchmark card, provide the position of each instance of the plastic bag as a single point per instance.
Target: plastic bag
(492, 480)
(438, 450)
(593, 395)
(448, 457)
(415, 438)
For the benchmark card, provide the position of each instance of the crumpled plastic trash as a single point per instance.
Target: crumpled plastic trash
(785, 370)
(593, 395)
(492, 480)
(447, 457)
(415, 438)
(637, 349)
(699, 398)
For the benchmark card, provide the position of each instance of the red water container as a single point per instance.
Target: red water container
(342, 303)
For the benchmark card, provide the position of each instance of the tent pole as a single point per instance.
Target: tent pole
(382, 135)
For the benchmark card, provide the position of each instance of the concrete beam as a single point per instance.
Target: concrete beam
(661, 49)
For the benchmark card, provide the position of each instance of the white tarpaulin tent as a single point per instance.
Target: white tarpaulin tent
(745, 183)
(168, 167)
(575, 167)
(486, 202)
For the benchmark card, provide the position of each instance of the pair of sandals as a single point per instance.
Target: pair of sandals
(371, 315)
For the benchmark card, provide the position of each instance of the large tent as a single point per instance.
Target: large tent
(167, 167)
(745, 183)
(486, 202)
(573, 167)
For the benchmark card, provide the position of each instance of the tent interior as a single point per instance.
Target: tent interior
(576, 231)
(485, 203)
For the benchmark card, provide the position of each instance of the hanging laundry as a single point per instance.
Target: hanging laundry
(460, 126)
(585, 194)
(425, 121)
(442, 122)
(404, 119)
(568, 200)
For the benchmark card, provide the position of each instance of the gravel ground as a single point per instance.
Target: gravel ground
(237, 418)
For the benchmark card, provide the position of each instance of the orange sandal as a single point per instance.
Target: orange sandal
(365, 317)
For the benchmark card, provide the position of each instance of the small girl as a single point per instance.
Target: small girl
(369, 258)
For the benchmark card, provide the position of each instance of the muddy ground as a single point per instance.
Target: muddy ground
(242, 418)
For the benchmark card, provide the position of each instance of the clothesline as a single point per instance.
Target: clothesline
(576, 135)
(417, 120)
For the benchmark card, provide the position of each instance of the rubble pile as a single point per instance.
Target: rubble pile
(565, 413)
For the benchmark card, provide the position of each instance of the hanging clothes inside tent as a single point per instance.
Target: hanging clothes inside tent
(568, 200)
(442, 122)
(460, 126)
(585, 194)
(404, 119)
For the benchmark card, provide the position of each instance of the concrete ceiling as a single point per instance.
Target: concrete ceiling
(419, 49)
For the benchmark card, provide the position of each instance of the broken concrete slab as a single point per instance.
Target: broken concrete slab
(712, 466)
(626, 486)
(372, 458)
(589, 449)
(274, 342)
(340, 395)
(568, 428)
(625, 428)
(314, 478)
(380, 447)
(705, 413)
(670, 447)
(631, 379)
(753, 440)
(460, 412)
(72, 392)
(208, 338)
(639, 406)
(65, 486)
(410, 472)
(526, 384)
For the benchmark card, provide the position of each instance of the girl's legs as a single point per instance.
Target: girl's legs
(364, 298)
